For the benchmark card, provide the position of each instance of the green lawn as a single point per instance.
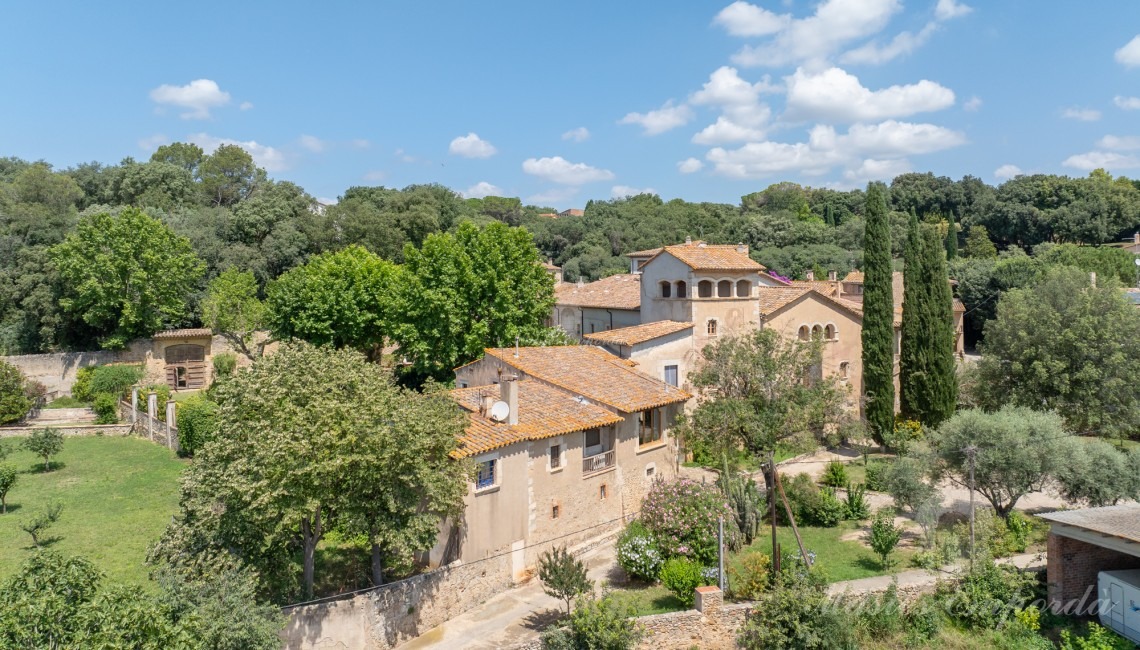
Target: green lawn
(646, 600)
(857, 471)
(840, 560)
(118, 495)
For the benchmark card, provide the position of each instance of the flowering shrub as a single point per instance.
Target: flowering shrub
(682, 516)
(638, 554)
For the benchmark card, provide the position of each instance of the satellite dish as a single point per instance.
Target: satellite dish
(500, 410)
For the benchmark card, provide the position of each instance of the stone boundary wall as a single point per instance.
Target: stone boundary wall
(72, 430)
(57, 371)
(397, 612)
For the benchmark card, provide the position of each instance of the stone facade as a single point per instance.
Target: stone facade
(1073, 566)
(72, 430)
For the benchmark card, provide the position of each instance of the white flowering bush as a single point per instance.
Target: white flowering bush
(638, 554)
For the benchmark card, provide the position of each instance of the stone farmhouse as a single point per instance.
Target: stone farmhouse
(677, 299)
(570, 453)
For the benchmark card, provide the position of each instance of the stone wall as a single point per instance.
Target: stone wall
(73, 430)
(57, 371)
(397, 612)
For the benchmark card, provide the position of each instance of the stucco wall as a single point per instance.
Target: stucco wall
(814, 310)
(677, 349)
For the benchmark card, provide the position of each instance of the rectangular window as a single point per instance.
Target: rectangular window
(485, 475)
(462, 383)
(555, 456)
(671, 377)
(602, 492)
(554, 512)
(650, 430)
(593, 438)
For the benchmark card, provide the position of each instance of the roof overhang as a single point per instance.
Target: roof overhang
(1103, 540)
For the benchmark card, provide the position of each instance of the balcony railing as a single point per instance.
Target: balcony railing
(598, 462)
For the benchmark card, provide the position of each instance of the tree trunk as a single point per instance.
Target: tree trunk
(310, 535)
(377, 565)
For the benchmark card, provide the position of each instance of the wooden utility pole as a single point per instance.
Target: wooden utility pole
(772, 509)
(971, 454)
(792, 520)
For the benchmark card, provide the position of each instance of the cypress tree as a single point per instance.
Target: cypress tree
(913, 349)
(942, 378)
(878, 317)
(951, 238)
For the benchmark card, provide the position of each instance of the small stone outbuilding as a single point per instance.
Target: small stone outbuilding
(183, 358)
(1082, 543)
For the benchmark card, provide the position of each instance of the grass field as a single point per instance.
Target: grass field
(118, 495)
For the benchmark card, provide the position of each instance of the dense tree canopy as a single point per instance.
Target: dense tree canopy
(126, 275)
(1065, 345)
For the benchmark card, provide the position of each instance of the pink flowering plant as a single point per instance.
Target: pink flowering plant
(682, 516)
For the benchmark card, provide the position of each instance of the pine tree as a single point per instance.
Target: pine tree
(915, 333)
(942, 379)
(951, 238)
(878, 316)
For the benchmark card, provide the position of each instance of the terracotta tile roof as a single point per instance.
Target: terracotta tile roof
(593, 373)
(1115, 521)
(621, 291)
(197, 332)
(549, 266)
(544, 412)
(638, 333)
(854, 276)
(773, 299)
(821, 286)
(959, 306)
(707, 257)
(650, 252)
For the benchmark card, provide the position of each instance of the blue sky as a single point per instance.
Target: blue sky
(573, 101)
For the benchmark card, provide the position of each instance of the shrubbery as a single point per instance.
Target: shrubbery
(114, 379)
(106, 409)
(81, 389)
(14, 400)
(224, 364)
(753, 578)
(681, 576)
(637, 553)
(596, 624)
(683, 515)
(197, 421)
(856, 504)
(811, 505)
(835, 474)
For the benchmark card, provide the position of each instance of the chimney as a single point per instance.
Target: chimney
(1092, 279)
(1136, 238)
(485, 403)
(509, 393)
(832, 276)
(741, 248)
(689, 240)
(580, 282)
(809, 275)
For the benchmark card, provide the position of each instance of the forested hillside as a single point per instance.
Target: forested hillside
(231, 214)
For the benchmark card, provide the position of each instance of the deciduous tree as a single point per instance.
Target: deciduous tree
(231, 308)
(563, 576)
(126, 274)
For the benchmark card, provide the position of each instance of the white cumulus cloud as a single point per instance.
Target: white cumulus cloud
(690, 166)
(876, 170)
(1102, 159)
(557, 169)
(902, 44)
(814, 38)
(663, 119)
(577, 135)
(1081, 114)
(471, 146)
(622, 191)
(836, 95)
(197, 97)
(948, 9)
(1007, 171)
(743, 19)
(725, 130)
(863, 149)
(313, 143)
(743, 116)
(1119, 142)
(1129, 55)
(272, 159)
(554, 195)
(482, 189)
(1127, 103)
(972, 104)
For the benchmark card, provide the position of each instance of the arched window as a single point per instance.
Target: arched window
(682, 289)
(711, 327)
(743, 288)
(804, 334)
(724, 289)
(829, 332)
(844, 368)
(704, 289)
(666, 290)
(816, 332)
